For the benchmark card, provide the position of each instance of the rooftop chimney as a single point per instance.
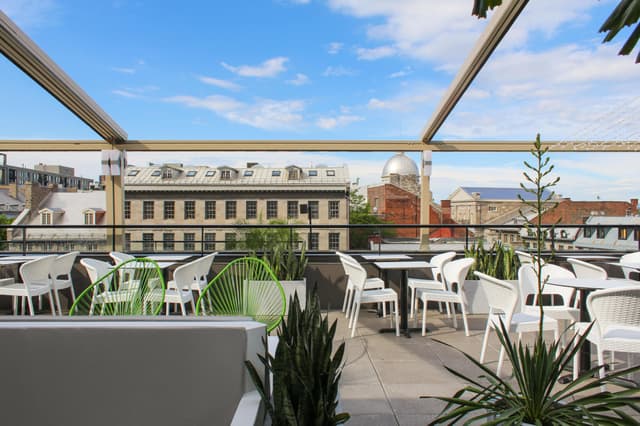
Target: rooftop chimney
(634, 206)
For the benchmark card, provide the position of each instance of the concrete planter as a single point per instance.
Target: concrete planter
(476, 297)
(296, 286)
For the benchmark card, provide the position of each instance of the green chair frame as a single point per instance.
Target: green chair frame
(245, 287)
(134, 287)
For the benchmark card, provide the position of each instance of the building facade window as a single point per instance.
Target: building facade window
(230, 241)
(190, 209)
(168, 241)
(493, 209)
(636, 235)
(147, 210)
(314, 241)
(623, 233)
(334, 241)
(251, 209)
(225, 174)
(334, 209)
(147, 242)
(209, 209)
(588, 232)
(89, 218)
(167, 173)
(209, 241)
(189, 241)
(601, 233)
(230, 210)
(127, 209)
(272, 209)
(46, 218)
(169, 209)
(292, 209)
(314, 209)
(127, 241)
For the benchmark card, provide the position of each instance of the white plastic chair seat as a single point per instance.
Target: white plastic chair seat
(376, 296)
(522, 322)
(18, 289)
(373, 283)
(173, 295)
(442, 295)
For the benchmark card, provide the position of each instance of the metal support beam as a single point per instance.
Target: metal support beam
(498, 26)
(26, 55)
(314, 145)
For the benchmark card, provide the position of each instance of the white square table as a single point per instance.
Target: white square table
(385, 257)
(404, 267)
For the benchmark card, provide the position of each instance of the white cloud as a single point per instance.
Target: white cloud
(338, 71)
(269, 68)
(125, 93)
(402, 73)
(135, 92)
(224, 84)
(418, 97)
(329, 123)
(375, 53)
(124, 70)
(334, 48)
(300, 80)
(265, 114)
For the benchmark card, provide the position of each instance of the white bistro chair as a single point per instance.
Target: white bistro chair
(437, 283)
(358, 277)
(202, 272)
(179, 289)
(97, 269)
(454, 274)
(633, 258)
(373, 283)
(503, 299)
(587, 270)
(35, 282)
(61, 276)
(562, 304)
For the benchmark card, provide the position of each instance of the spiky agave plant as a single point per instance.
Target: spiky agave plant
(306, 372)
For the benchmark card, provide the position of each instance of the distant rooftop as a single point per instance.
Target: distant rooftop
(485, 193)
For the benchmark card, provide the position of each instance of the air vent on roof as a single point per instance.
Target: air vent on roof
(133, 173)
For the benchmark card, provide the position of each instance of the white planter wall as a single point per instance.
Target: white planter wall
(476, 297)
(297, 286)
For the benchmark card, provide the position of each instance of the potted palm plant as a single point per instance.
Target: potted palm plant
(535, 398)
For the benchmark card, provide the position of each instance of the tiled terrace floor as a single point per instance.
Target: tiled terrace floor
(385, 376)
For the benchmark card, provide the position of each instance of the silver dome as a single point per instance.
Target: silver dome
(400, 164)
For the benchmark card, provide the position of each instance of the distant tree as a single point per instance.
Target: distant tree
(4, 220)
(267, 238)
(625, 14)
(360, 213)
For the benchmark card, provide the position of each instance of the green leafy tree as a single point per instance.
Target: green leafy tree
(360, 214)
(260, 239)
(625, 14)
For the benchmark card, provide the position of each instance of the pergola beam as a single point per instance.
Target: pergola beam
(496, 29)
(315, 145)
(26, 55)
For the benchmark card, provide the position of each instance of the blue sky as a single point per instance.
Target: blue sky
(348, 69)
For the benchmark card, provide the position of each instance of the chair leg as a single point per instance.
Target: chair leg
(464, 319)
(395, 308)
(344, 302)
(30, 302)
(183, 309)
(15, 305)
(485, 340)
(603, 388)
(355, 319)
(412, 298)
(167, 308)
(57, 296)
(24, 310)
(349, 304)
(424, 317)
(446, 305)
(500, 361)
(52, 305)
(455, 316)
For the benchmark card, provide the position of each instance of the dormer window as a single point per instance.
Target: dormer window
(293, 174)
(167, 173)
(210, 173)
(248, 173)
(313, 173)
(46, 218)
(133, 173)
(276, 173)
(156, 173)
(89, 218)
(191, 173)
(225, 174)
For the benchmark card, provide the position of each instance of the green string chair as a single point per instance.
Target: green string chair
(245, 287)
(134, 287)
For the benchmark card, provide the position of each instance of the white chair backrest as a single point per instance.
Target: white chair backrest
(615, 307)
(357, 274)
(439, 261)
(455, 272)
(119, 257)
(587, 270)
(184, 275)
(633, 258)
(550, 271)
(204, 266)
(37, 270)
(501, 295)
(96, 269)
(525, 258)
(63, 264)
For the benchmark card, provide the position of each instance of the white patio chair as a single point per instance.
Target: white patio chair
(202, 272)
(118, 258)
(358, 277)
(503, 298)
(616, 313)
(373, 283)
(528, 282)
(61, 276)
(587, 270)
(525, 257)
(453, 273)
(437, 283)
(179, 289)
(633, 258)
(97, 269)
(35, 282)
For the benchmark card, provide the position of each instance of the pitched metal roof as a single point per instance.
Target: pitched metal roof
(501, 193)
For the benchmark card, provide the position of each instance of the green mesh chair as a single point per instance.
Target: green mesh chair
(247, 287)
(134, 287)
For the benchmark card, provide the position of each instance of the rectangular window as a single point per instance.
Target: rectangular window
(601, 233)
(189, 241)
(169, 209)
(147, 210)
(334, 241)
(89, 218)
(190, 209)
(45, 218)
(493, 209)
(331, 172)
(127, 209)
(147, 242)
(225, 174)
(230, 210)
(127, 241)
(623, 233)
(168, 241)
(313, 173)
(588, 232)
(272, 209)
(292, 209)
(251, 209)
(314, 209)
(229, 241)
(636, 235)
(276, 173)
(334, 209)
(167, 173)
(314, 241)
(209, 209)
(209, 241)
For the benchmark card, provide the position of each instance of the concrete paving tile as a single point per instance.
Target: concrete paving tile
(373, 420)
(364, 399)
(359, 372)
(405, 372)
(406, 398)
(415, 419)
